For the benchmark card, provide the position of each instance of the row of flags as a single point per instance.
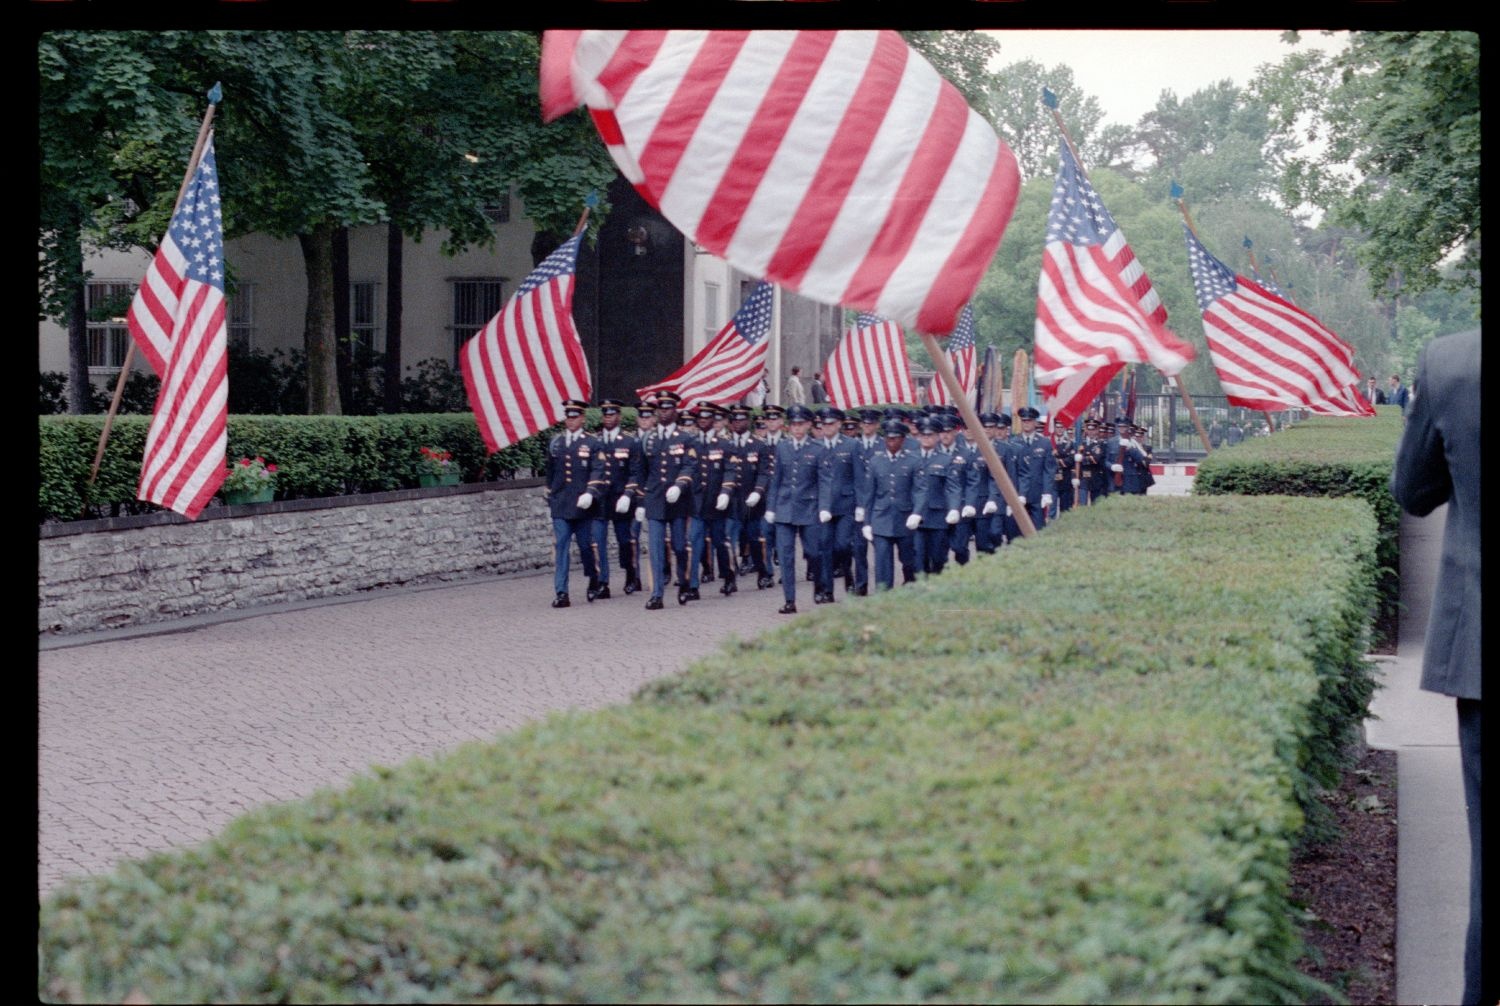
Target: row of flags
(836, 164)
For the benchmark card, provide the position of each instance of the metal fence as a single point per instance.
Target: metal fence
(1174, 438)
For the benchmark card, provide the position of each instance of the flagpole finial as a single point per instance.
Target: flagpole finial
(216, 93)
(1248, 242)
(1049, 98)
(1176, 191)
(592, 199)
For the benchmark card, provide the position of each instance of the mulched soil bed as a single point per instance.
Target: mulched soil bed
(1348, 887)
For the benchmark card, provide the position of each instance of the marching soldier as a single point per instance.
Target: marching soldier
(622, 466)
(1067, 466)
(966, 461)
(836, 503)
(573, 487)
(714, 488)
(989, 527)
(867, 444)
(1036, 467)
(1094, 473)
(886, 496)
(748, 500)
(936, 499)
(1010, 530)
(671, 465)
(793, 503)
(645, 422)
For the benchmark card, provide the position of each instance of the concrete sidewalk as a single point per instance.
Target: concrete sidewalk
(1432, 871)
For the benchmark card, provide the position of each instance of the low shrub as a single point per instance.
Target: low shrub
(968, 790)
(1325, 456)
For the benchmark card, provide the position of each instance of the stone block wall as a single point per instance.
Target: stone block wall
(128, 571)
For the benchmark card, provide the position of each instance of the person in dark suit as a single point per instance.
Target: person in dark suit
(1397, 394)
(1438, 462)
(574, 485)
(792, 504)
(1036, 467)
(937, 499)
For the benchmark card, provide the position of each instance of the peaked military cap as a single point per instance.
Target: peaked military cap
(1027, 412)
(869, 415)
(799, 414)
(739, 412)
(946, 422)
(894, 413)
(574, 407)
(668, 398)
(645, 409)
(774, 412)
(1005, 419)
(893, 428)
(927, 424)
(989, 419)
(610, 406)
(828, 414)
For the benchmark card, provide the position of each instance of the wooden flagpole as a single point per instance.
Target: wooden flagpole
(1017, 390)
(214, 95)
(1198, 423)
(966, 409)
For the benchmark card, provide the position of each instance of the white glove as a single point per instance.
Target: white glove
(991, 507)
(1078, 457)
(722, 503)
(674, 493)
(1075, 483)
(640, 515)
(952, 517)
(824, 516)
(752, 499)
(912, 521)
(1046, 500)
(770, 517)
(859, 515)
(968, 511)
(1009, 512)
(623, 505)
(585, 501)
(868, 532)
(1117, 468)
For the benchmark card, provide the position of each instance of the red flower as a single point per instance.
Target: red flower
(245, 462)
(270, 468)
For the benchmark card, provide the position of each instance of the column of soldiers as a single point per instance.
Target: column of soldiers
(712, 493)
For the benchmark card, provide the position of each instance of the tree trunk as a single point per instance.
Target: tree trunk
(317, 333)
(393, 265)
(344, 349)
(80, 393)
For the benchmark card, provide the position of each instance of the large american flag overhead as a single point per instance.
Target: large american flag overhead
(1095, 307)
(838, 164)
(730, 366)
(962, 355)
(527, 360)
(177, 320)
(1270, 354)
(869, 366)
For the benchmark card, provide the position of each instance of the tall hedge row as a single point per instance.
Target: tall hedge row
(1066, 773)
(1325, 456)
(315, 455)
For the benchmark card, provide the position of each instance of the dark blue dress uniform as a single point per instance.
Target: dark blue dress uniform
(865, 448)
(1137, 464)
(968, 469)
(622, 470)
(1062, 493)
(752, 460)
(671, 459)
(573, 469)
(887, 497)
(1036, 469)
(794, 502)
(718, 475)
(837, 492)
(935, 494)
(1094, 483)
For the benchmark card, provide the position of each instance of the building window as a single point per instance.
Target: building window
(106, 302)
(241, 316)
(711, 323)
(364, 318)
(475, 302)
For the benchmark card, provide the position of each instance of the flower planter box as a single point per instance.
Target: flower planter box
(232, 498)
(447, 479)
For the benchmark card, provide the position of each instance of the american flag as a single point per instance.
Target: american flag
(1095, 307)
(961, 354)
(869, 366)
(177, 320)
(731, 364)
(521, 367)
(1270, 354)
(838, 164)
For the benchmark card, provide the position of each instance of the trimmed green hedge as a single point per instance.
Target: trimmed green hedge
(1068, 773)
(314, 455)
(1325, 456)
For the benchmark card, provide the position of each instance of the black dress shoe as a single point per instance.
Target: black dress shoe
(631, 586)
(693, 594)
(861, 591)
(765, 581)
(789, 608)
(684, 596)
(561, 601)
(729, 587)
(593, 590)
(603, 594)
(654, 604)
(821, 598)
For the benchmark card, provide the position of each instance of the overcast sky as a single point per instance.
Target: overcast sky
(1128, 70)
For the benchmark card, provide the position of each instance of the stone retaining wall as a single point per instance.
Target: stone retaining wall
(124, 571)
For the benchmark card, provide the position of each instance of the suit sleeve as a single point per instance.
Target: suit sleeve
(1421, 481)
